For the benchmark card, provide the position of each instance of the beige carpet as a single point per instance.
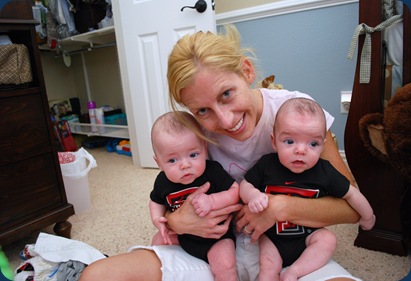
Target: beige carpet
(119, 218)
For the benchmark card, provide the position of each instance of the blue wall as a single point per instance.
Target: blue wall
(307, 51)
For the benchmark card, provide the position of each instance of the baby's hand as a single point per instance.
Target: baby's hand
(367, 224)
(202, 204)
(258, 203)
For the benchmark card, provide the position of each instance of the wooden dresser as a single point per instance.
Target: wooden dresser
(32, 194)
(384, 186)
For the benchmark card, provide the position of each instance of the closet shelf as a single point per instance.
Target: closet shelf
(104, 130)
(84, 41)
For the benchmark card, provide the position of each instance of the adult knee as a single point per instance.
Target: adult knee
(92, 272)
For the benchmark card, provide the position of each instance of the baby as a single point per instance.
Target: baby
(296, 170)
(181, 153)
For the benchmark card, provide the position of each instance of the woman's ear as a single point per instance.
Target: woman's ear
(248, 71)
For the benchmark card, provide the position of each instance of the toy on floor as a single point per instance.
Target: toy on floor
(121, 146)
(6, 273)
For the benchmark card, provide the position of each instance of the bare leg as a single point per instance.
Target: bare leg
(270, 260)
(321, 245)
(157, 239)
(138, 265)
(222, 260)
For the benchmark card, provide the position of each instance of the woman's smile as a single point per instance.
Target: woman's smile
(238, 126)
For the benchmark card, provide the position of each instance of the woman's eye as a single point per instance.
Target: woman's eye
(202, 111)
(194, 155)
(226, 94)
(289, 141)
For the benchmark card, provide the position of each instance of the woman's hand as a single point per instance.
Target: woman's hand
(160, 224)
(256, 223)
(185, 220)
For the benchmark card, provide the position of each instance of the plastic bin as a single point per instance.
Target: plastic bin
(75, 167)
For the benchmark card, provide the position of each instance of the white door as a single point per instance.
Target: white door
(146, 30)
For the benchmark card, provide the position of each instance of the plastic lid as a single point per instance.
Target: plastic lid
(91, 104)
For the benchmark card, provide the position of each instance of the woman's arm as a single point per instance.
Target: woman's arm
(314, 213)
(331, 154)
(185, 220)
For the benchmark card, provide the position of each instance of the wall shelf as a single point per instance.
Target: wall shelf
(85, 41)
(104, 130)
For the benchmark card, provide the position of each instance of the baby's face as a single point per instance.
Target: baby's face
(182, 157)
(299, 141)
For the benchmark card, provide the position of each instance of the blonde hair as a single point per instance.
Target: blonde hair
(176, 123)
(203, 50)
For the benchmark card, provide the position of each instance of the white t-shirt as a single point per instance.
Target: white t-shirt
(237, 157)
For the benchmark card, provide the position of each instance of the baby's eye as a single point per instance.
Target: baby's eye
(194, 155)
(288, 141)
(314, 144)
(172, 160)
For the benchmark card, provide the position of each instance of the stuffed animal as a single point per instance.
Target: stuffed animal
(387, 135)
(268, 83)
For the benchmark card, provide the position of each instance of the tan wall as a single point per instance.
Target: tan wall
(103, 73)
(222, 6)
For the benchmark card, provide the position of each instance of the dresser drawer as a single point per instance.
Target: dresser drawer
(28, 188)
(24, 129)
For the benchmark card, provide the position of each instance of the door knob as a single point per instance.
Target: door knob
(200, 6)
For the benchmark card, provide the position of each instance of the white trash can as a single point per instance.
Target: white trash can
(75, 178)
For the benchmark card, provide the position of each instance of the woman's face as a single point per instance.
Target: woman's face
(224, 103)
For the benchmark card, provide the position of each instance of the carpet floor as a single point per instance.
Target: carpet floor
(119, 218)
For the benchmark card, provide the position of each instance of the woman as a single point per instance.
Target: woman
(210, 75)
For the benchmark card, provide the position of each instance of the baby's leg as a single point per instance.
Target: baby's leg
(321, 245)
(270, 260)
(221, 258)
(158, 239)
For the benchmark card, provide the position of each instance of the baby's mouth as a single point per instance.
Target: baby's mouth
(238, 126)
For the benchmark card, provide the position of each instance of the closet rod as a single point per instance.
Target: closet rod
(88, 49)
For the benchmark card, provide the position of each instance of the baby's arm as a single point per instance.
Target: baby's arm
(204, 203)
(357, 201)
(257, 201)
(157, 212)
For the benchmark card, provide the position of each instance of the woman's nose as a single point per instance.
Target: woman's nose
(224, 118)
